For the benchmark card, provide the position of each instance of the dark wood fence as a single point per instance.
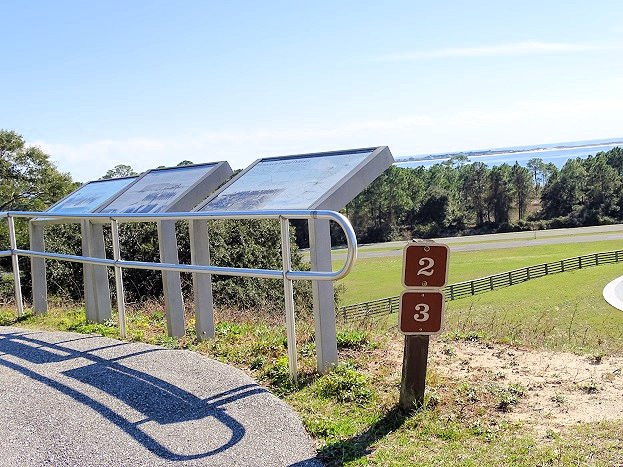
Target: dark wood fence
(388, 305)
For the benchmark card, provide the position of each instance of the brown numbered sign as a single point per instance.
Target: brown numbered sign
(421, 312)
(425, 265)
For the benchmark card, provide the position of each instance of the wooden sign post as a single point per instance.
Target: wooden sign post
(421, 314)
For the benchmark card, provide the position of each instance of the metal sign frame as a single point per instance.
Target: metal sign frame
(167, 238)
(97, 310)
(189, 197)
(342, 192)
(55, 220)
(335, 198)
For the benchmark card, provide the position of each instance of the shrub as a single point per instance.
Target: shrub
(344, 384)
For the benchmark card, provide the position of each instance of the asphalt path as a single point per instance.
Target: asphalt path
(72, 400)
(495, 243)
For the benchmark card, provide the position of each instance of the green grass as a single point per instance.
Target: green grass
(381, 277)
(559, 312)
(351, 411)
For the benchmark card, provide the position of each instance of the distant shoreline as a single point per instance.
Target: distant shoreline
(501, 152)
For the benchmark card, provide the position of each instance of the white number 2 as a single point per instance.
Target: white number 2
(428, 264)
(421, 312)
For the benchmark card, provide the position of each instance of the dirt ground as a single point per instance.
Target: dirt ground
(561, 388)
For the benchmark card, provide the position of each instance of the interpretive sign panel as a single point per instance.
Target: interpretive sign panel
(158, 189)
(328, 180)
(421, 312)
(425, 265)
(290, 182)
(91, 195)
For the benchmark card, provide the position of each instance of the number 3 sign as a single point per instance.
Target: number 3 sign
(421, 312)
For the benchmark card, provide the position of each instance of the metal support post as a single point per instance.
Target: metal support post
(202, 283)
(171, 281)
(324, 300)
(87, 274)
(99, 286)
(288, 293)
(37, 269)
(19, 303)
(116, 252)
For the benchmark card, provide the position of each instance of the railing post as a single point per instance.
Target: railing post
(471, 284)
(116, 253)
(288, 292)
(528, 273)
(562, 265)
(510, 277)
(451, 292)
(580, 262)
(596, 259)
(202, 283)
(15, 262)
(616, 256)
(546, 270)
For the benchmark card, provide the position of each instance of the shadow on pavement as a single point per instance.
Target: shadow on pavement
(158, 400)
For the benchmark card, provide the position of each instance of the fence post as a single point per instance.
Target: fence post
(471, 284)
(510, 277)
(546, 270)
(596, 259)
(580, 261)
(562, 265)
(616, 256)
(528, 273)
(491, 282)
(451, 292)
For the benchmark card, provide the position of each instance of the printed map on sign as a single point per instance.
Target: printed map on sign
(157, 189)
(285, 183)
(90, 196)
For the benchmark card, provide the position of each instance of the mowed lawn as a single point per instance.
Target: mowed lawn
(381, 277)
(559, 312)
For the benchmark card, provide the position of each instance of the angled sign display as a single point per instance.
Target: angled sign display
(326, 180)
(169, 189)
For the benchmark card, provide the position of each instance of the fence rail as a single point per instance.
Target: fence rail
(389, 305)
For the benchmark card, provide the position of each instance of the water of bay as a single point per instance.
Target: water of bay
(553, 153)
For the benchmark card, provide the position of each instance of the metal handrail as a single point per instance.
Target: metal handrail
(341, 220)
(286, 274)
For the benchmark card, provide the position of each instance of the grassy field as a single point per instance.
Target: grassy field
(352, 413)
(380, 277)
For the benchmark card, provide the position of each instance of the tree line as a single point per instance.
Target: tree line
(457, 197)
(452, 198)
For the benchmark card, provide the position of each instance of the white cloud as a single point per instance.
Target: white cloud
(92, 159)
(449, 129)
(502, 50)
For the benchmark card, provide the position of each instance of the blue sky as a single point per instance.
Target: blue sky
(152, 83)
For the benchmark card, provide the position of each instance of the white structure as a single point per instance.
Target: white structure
(172, 189)
(86, 199)
(309, 181)
(613, 293)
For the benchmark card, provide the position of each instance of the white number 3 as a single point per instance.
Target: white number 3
(421, 312)
(428, 264)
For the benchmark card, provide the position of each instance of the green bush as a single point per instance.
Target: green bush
(354, 339)
(344, 384)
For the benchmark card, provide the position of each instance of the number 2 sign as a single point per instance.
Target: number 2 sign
(425, 265)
